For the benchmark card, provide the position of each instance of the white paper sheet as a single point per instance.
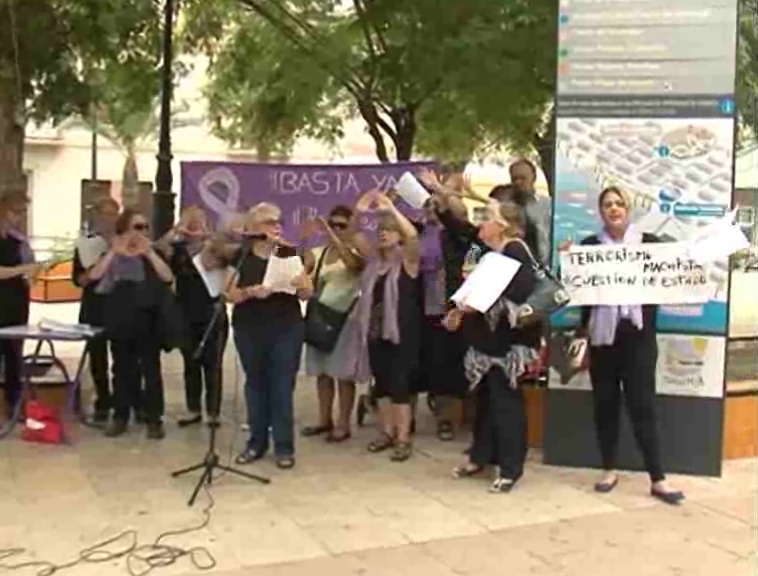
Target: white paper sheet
(718, 241)
(280, 273)
(411, 190)
(486, 283)
(214, 280)
(90, 250)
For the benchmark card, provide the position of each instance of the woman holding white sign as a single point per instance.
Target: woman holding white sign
(498, 353)
(623, 352)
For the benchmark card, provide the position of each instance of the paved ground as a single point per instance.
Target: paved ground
(344, 512)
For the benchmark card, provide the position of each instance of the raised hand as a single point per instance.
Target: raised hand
(430, 179)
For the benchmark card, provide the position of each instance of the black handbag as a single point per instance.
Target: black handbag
(548, 296)
(323, 324)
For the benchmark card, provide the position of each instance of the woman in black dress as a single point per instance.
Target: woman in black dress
(385, 324)
(16, 268)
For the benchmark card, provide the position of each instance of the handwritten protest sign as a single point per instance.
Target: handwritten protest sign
(634, 275)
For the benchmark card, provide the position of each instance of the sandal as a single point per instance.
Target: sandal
(467, 471)
(502, 485)
(445, 431)
(402, 451)
(309, 431)
(337, 438)
(248, 457)
(381, 444)
(285, 462)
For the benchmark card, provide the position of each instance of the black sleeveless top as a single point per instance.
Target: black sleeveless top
(409, 315)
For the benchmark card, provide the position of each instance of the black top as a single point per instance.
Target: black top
(476, 330)
(277, 307)
(14, 292)
(649, 311)
(92, 309)
(195, 302)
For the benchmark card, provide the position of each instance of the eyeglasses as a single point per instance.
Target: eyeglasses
(272, 222)
(337, 225)
(140, 227)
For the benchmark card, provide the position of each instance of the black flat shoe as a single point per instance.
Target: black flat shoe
(310, 431)
(606, 487)
(155, 431)
(670, 498)
(467, 471)
(190, 420)
(502, 485)
(115, 429)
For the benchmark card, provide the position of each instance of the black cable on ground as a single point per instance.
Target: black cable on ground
(140, 559)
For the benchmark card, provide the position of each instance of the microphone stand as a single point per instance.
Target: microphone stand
(211, 461)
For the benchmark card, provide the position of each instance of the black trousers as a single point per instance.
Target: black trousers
(135, 360)
(98, 366)
(391, 371)
(500, 428)
(204, 372)
(11, 360)
(629, 364)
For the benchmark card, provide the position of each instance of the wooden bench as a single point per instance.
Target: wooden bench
(56, 285)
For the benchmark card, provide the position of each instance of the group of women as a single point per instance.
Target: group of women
(397, 327)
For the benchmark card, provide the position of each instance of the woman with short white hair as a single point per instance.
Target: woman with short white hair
(268, 334)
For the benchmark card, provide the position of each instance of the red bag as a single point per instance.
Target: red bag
(43, 424)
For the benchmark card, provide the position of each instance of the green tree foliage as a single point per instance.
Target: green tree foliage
(449, 78)
(747, 73)
(52, 53)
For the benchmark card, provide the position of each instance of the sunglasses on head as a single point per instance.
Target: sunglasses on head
(141, 227)
(337, 225)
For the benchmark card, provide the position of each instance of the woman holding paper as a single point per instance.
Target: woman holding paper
(623, 350)
(498, 353)
(336, 279)
(133, 278)
(268, 333)
(196, 261)
(16, 268)
(384, 324)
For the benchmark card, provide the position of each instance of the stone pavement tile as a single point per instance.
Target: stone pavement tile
(264, 536)
(486, 555)
(661, 541)
(743, 507)
(358, 535)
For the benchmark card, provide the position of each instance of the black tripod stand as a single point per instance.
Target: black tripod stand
(211, 462)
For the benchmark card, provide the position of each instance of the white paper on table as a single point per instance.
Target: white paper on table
(486, 283)
(411, 190)
(90, 250)
(214, 280)
(280, 273)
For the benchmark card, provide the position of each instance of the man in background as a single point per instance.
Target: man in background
(89, 249)
(538, 209)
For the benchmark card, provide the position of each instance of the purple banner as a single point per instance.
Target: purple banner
(303, 192)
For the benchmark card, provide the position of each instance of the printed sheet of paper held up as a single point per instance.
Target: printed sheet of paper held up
(629, 274)
(718, 240)
(280, 273)
(486, 283)
(411, 190)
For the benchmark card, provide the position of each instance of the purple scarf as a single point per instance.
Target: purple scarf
(360, 317)
(605, 319)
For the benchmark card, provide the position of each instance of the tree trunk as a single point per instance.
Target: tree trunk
(370, 116)
(405, 133)
(130, 179)
(11, 143)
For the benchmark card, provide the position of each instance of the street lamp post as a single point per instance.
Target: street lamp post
(163, 199)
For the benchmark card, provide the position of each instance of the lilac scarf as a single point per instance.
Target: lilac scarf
(430, 248)
(122, 269)
(360, 318)
(605, 319)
